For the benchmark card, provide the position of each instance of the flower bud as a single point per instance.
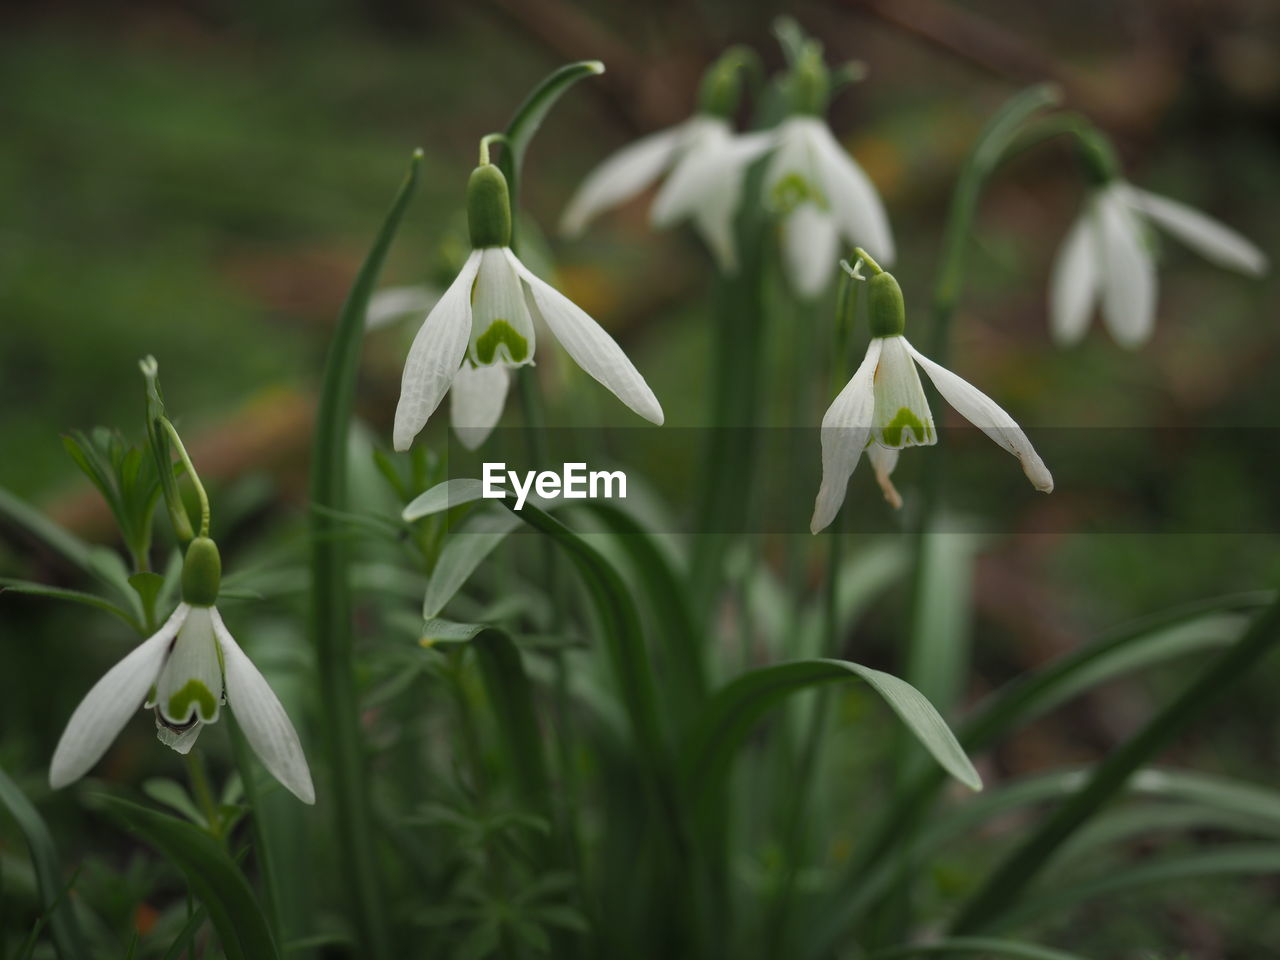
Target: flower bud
(721, 88)
(201, 573)
(886, 310)
(488, 208)
(809, 84)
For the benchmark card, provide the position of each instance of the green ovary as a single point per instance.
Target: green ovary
(193, 692)
(904, 419)
(501, 332)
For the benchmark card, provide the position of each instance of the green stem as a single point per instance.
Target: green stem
(1013, 877)
(331, 601)
(261, 846)
(191, 472)
(194, 762)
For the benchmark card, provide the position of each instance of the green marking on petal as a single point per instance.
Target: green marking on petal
(193, 692)
(500, 332)
(793, 190)
(905, 419)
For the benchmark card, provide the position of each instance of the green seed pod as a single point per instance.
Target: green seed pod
(201, 573)
(887, 312)
(488, 208)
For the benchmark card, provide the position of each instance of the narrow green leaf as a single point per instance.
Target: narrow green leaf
(444, 496)
(71, 596)
(59, 914)
(213, 876)
(174, 796)
(182, 942)
(40, 528)
(331, 602)
(148, 586)
(465, 550)
(989, 946)
(734, 710)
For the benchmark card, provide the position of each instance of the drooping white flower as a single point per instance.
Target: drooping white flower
(1106, 259)
(883, 410)
(185, 672)
(395, 303)
(483, 326)
(823, 197)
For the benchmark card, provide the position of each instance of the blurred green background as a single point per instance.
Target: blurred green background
(200, 180)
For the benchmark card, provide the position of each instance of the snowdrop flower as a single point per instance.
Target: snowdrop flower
(1105, 256)
(483, 327)
(883, 409)
(705, 160)
(821, 195)
(395, 303)
(185, 672)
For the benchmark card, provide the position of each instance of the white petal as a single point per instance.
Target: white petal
(180, 741)
(810, 249)
(902, 417)
(590, 346)
(191, 680)
(621, 177)
(855, 204)
(845, 429)
(987, 415)
(1073, 288)
(1128, 275)
(106, 708)
(262, 718)
(435, 355)
(680, 194)
(883, 460)
(391, 303)
(501, 327)
(476, 400)
(1214, 241)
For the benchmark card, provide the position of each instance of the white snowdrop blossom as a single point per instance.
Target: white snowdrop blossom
(823, 197)
(705, 163)
(883, 410)
(185, 672)
(483, 327)
(1106, 259)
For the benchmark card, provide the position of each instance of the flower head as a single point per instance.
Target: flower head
(883, 410)
(483, 326)
(1106, 257)
(705, 163)
(185, 672)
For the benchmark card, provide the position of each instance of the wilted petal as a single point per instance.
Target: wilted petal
(435, 355)
(262, 718)
(476, 400)
(590, 346)
(883, 460)
(1213, 240)
(845, 429)
(106, 708)
(1073, 288)
(621, 177)
(987, 415)
(855, 204)
(1128, 274)
(810, 249)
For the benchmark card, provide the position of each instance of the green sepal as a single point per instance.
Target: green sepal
(488, 207)
(201, 573)
(887, 314)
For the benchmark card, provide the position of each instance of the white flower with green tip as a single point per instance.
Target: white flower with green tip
(1105, 259)
(883, 410)
(185, 672)
(823, 197)
(483, 326)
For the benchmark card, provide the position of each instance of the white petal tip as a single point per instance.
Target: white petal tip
(1039, 475)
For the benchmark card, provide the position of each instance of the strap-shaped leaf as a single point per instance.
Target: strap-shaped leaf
(987, 946)
(60, 914)
(736, 708)
(465, 550)
(530, 114)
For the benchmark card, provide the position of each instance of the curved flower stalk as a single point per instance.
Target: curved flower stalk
(483, 326)
(817, 189)
(1106, 258)
(883, 409)
(704, 162)
(184, 673)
